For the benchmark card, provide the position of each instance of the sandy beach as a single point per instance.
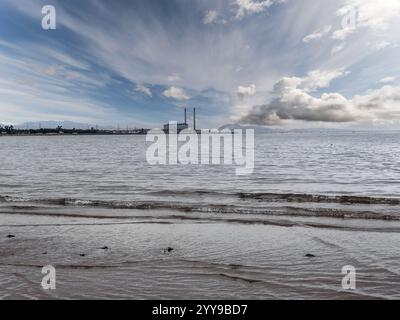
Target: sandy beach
(97, 256)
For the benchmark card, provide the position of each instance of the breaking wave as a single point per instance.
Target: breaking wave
(285, 197)
(293, 197)
(266, 197)
(286, 204)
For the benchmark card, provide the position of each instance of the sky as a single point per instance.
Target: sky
(276, 63)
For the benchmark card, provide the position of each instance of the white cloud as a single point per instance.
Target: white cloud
(143, 89)
(253, 6)
(372, 14)
(210, 17)
(388, 80)
(176, 93)
(291, 102)
(243, 91)
(318, 79)
(317, 34)
(342, 34)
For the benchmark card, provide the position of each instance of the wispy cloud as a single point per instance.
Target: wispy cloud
(388, 80)
(210, 17)
(338, 48)
(317, 34)
(174, 77)
(143, 89)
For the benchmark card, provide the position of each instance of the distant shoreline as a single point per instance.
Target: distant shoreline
(80, 132)
(70, 132)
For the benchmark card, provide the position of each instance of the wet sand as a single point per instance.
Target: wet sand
(219, 258)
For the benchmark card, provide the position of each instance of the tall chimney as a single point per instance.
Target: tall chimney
(185, 117)
(194, 118)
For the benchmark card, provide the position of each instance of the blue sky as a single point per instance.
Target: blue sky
(269, 62)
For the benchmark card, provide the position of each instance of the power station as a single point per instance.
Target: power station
(183, 125)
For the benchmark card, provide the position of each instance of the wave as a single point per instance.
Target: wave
(285, 197)
(232, 208)
(340, 199)
(260, 196)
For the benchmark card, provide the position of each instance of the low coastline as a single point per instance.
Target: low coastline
(73, 132)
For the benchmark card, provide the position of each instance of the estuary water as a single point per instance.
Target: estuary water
(95, 209)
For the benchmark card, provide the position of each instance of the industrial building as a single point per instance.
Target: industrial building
(183, 125)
